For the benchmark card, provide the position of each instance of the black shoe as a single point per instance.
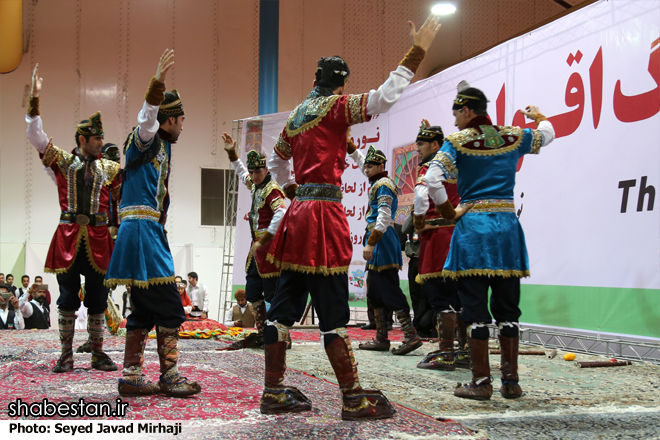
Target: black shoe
(370, 326)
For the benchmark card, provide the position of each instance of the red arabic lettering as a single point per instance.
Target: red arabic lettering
(639, 107)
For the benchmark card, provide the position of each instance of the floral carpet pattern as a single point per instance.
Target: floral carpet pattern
(228, 406)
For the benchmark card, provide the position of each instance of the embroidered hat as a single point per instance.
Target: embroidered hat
(375, 157)
(171, 105)
(255, 160)
(470, 97)
(91, 127)
(430, 133)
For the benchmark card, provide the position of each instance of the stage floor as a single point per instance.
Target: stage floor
(561, 400)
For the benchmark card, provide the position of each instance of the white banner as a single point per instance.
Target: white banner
(589, 202)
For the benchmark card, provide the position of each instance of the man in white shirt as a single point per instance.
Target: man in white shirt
(198, 296)
(9, 319)
(25, 281)
(241, 314)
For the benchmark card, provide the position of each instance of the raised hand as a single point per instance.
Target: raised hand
(36, 82)
(425, 123)
(164, 65)
(424, 37)
(230, 143)
(531, 111)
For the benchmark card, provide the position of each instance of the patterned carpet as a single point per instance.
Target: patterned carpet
(228, 405)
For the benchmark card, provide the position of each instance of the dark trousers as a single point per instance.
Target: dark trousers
(383, 290)
(258, 288)
(442, 294)
(329, 298)
(419, 303)
(504, 299)
(157, 305)
(96, 294)
(389, 319)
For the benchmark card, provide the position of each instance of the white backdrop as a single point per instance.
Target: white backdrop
(596, 74)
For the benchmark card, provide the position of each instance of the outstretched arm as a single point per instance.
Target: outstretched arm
(381, 100)
(544, 126)
(35, 132)
(148, 116)
(239, 167)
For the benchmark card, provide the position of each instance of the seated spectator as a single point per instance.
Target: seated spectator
(185, 300)
(2, 278)
(25, 281)
(9, 319)
(241, 314)
(39, 281)
(198, 296)
(36, 312)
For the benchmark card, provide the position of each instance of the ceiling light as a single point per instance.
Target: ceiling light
(443, 9)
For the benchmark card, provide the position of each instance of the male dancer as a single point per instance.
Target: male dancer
(266, 213)
(312, 245)
(435, 234)
(488, 246)
(81, 244)
(383, 253)
(142, 257)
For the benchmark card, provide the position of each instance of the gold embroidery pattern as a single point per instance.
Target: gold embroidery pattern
(318, 107)
(322, 270)
(283, 148)
(99, 181)
(277, 204)
(358, 111)
(421, 174)
(385, 181)
(114, 282)
(492, 205)
(446, 164)
(466, 137)
(385, 200)
(72, 194)
(492, 272)
(110, 169)
(262, 194)
(537, 140)
(386, 267)
(50, 155)
(139, 212)
(163, 170)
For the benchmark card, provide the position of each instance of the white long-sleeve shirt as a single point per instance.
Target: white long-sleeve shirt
(192, 294)
(229, 315)
(378, 101)
(19, 323)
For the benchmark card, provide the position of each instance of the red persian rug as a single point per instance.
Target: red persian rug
(232, 383)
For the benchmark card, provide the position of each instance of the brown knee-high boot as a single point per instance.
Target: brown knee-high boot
(95, 327)
(277, 398)
(412, 340)
(66, 322)
(509, 367)
(442, 359)
(381, 343)
(171, 382)
(132, 382)
(357, 403)
(480, 388)
(462, 354)
(256, 340)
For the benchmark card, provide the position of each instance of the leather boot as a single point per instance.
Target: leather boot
(278, 398)
(171, 382)
(85, 348)
(480, 388)
(462, 354)
(256, 340)
(95, 327)
(66, 322)
(133, 382)
(412, 340)
(509, 367)
(357, 403)
(381, 343)
(444, 358)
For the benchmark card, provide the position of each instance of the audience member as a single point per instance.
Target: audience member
(36, 312)
(2, 278)
(10, 284)
(38, 280)
(198, 296)
(10, 319)
(25, 281)
(241, 314)
(185, 300)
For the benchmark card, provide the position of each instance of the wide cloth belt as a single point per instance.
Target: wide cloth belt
(139, 212)
(492, 205)
(84, 219)
(440, 222)
(323, 192)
